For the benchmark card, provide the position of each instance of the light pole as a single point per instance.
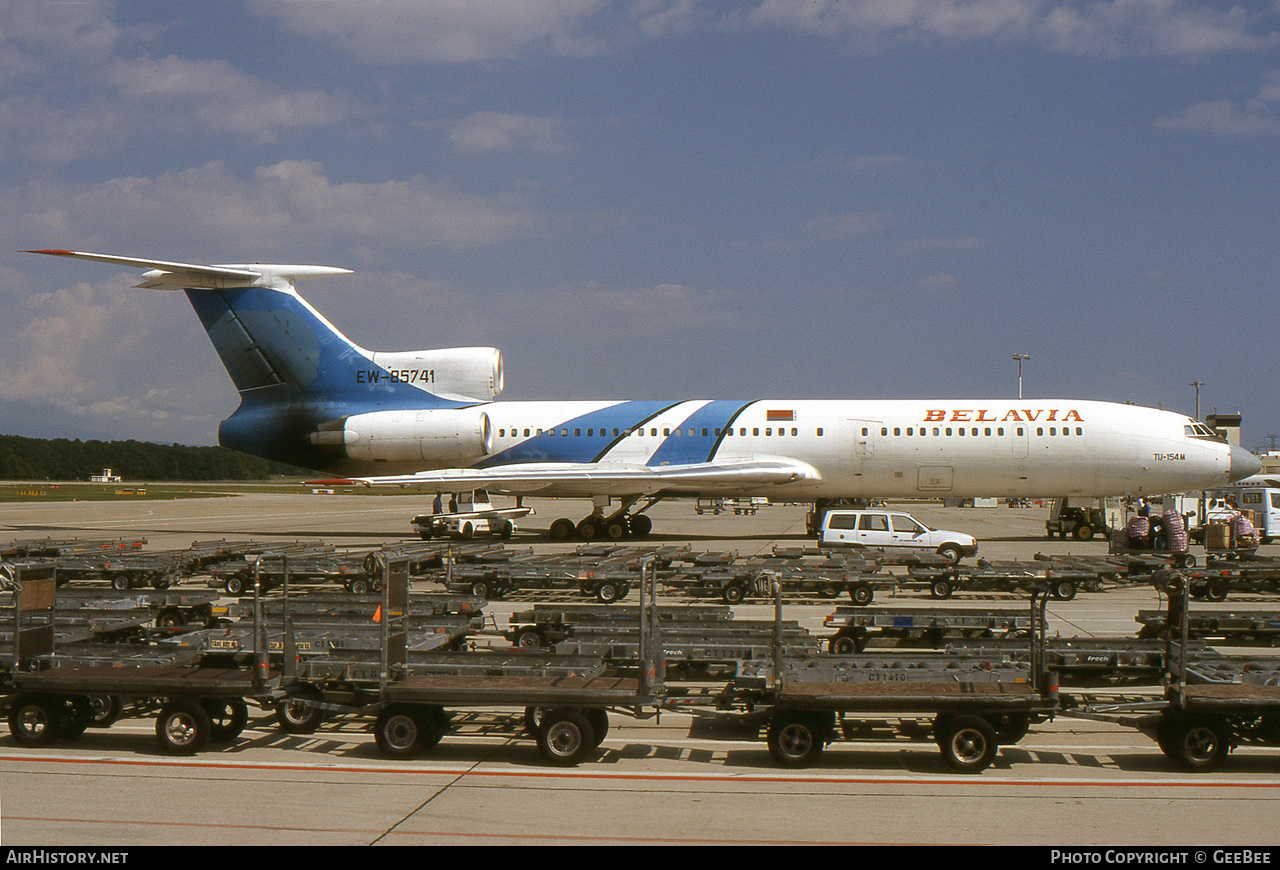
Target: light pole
(1197, 385)
(1020, 357)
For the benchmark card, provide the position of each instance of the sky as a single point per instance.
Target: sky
(652, 199)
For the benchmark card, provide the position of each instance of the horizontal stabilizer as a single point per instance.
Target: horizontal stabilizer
(165, 275)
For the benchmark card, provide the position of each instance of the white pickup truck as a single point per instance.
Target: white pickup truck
(892, 531)
(469, 514)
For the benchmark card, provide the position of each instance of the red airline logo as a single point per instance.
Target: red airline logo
(983, 415)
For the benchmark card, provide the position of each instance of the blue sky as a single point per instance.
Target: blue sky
(652, 198)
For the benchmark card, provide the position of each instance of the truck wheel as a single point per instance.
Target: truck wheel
(33, 720)
(565, 737)
(400, 731)
(506, 530)
(182, 727)
(951, 553)
(295, 716)
(861, 594)
(1084, 532)
(1194, 742)
(968, 743)
(796, 739)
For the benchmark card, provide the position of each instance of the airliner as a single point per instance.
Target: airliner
(311, 397)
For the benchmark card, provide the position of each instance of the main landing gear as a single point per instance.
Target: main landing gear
(597, 526)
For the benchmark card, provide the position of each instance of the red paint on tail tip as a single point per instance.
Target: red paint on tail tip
(337, 481)
(56, 251)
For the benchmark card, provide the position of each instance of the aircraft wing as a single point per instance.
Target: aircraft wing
(588, 479)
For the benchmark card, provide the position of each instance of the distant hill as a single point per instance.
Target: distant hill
(63, 459)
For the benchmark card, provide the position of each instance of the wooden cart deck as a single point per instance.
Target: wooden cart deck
(467, 689)
(144, 680)
(898, 696)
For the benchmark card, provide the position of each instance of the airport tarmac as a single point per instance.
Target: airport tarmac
(1069, 782)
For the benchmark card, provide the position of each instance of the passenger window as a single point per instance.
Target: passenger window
(819, 431)
(841, 521)
(874, 523)
(906, 524)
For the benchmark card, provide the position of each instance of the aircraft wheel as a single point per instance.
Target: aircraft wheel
(615, 530)
(562, 529)
(640, 525)
(587, 529)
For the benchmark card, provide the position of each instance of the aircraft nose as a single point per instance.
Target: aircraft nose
(1243, 464)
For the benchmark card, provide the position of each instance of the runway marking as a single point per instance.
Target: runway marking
(467, 770)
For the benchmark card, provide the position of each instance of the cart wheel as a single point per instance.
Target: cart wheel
(33, 720)
(796, 739)
(120, 582)
(565, 737)
(847, 644)
(295, 716)
(968, 743)
(861, 594)
(599, 720)
(733, 593)
(226, 719)
(607, 592)
(105, 710)
(530, 638)
(940, 589)
(399, 732)
(1064, 590)
(1084, 532)
(1216, 591)
(1194, 742)
(359, 586)
(182, 727)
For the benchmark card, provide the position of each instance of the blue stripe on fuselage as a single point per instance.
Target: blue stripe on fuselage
(699, 435)
(569, 447)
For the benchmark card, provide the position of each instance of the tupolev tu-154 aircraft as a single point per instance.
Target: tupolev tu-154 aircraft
(311, 397)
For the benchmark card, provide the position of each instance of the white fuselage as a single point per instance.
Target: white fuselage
(871, 448)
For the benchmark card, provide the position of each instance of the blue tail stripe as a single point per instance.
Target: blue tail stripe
(269, 339)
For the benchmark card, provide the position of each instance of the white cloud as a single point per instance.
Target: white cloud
(1172, 28)
(442, 31)
(215, 96)
(488, 132)
(1256, 116)
(290, 205)
(848, 224)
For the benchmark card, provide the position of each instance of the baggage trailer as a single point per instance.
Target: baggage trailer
(566, 699)
(52, 695)
(976, 704)
(1210, 706)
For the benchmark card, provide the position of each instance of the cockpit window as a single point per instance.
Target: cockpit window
(1202, 431)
